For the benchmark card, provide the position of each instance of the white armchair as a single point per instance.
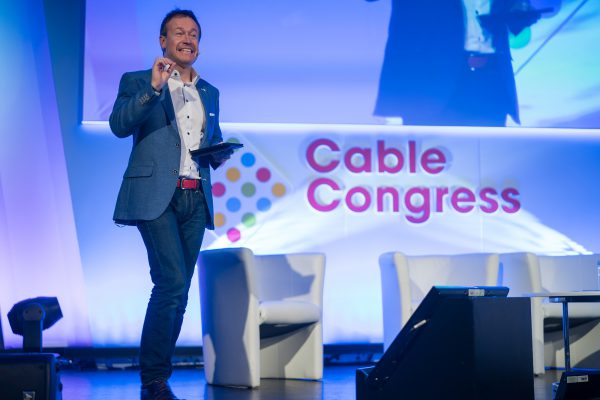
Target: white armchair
(405, 280)
(528, 273)
(261, 316)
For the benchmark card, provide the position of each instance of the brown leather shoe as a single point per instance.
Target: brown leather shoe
(157, 390)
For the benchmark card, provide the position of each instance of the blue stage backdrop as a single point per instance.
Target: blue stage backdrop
(298, 82)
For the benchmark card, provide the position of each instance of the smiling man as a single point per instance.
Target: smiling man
(169, 110)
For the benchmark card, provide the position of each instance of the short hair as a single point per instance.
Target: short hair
(178, 13)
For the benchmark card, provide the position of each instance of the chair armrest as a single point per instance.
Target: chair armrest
(229, 305)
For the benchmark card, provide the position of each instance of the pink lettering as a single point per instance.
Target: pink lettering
(312, 194)
(311, 155)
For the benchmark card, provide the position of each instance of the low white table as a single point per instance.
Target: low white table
(583, 296)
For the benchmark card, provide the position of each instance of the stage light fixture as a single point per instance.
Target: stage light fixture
(30, 317)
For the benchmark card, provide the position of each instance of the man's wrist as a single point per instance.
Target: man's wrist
(156, 92)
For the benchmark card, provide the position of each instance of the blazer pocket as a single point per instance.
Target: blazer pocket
(138, 171)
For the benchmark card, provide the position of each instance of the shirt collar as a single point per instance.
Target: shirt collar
(175, 75)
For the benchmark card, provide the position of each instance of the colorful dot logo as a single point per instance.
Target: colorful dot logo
(234, 235)
(263, 204)
(233, 204)
(249, 220)
(233, 174)
(248, 159)
(248, 189)
(243, 196)
(278, 190)
(219, 220)
(263, 175)
(218, 189)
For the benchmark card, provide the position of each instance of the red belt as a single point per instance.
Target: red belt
(478, 60)
(183, 183)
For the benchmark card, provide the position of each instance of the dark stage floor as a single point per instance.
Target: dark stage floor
(337, 384)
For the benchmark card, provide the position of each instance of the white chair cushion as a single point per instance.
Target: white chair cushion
(288, 312)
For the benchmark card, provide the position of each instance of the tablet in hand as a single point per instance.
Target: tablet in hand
(217, 148)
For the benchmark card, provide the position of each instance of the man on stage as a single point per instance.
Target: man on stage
(169, 110)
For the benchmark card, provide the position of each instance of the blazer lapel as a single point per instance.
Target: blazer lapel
(167, 104)
(205, 97)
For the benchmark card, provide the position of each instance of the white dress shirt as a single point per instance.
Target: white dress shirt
(189, 113)
(477, 39)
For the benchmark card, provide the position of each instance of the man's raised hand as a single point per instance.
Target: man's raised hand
(161, 71)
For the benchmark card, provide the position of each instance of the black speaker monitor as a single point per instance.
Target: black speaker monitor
(34, 376)
(580, 384)
(461, 343)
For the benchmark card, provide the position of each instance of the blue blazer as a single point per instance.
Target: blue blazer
(151, 176)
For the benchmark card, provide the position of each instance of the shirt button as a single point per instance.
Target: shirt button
(175, 172)
(188, 133)
(177, 145)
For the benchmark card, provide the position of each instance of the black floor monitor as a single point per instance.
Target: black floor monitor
(460, 343)
(581, 384)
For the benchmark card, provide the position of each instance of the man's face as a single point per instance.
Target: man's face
(181, 42)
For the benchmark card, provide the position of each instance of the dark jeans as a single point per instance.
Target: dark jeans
(480, 98)
(173, 242)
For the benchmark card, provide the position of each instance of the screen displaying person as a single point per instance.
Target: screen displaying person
(448, 62)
